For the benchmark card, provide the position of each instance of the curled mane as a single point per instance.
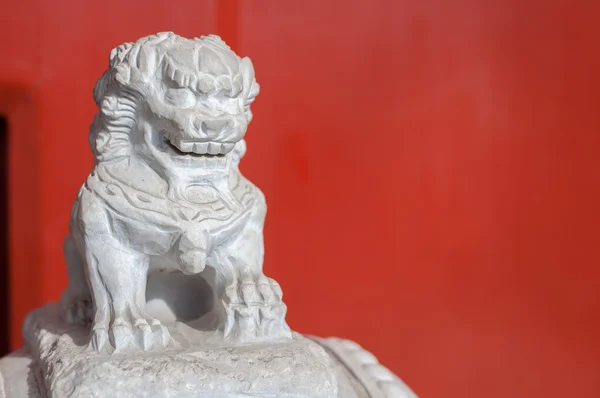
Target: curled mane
(132, 66)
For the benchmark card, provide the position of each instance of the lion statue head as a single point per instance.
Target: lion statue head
(169, 100)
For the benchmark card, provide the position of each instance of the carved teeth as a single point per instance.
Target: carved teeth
(184, 146)
(201, 148)
(214, 148)
(227, 147)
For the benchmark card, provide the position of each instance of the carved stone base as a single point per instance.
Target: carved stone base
(296, 368)
(56, 363)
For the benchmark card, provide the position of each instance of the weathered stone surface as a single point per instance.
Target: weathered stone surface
(292, 368)
(167, 295)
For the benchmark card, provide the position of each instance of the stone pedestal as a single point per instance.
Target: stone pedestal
(55, 362)
(294, 368)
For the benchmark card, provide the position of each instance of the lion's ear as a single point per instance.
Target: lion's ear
(251, 87)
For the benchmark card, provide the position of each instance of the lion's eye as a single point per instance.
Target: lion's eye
(180, 97)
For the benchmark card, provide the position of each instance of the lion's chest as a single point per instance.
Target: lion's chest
(197, 218)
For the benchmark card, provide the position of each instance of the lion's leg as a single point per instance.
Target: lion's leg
(253, 309)
(76, 301)
(226, 279)
(102, 311)
(118, 282)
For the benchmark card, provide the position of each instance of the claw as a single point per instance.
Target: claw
(249, 293)
(259, 315)
(285, 330)
(143, 335)
(99, 339)
(265, 290)
(229, 321)
(120, 335)
(161, 335)
(276, 289)
(232, 293)
(266, 321)
(280, 310)
(247, 323)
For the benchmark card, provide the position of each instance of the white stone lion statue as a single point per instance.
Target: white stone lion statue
(166, 194)
(166, 202)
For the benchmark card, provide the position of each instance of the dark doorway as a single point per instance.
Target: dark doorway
(4, 308)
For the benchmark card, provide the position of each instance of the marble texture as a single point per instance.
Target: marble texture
(297, 367)
(56, 362)
(166, 195)
(167, 295)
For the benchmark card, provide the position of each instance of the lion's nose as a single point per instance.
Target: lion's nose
(211, 128)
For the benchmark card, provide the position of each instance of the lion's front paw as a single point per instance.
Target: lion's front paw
(130, 334)
(255, 311)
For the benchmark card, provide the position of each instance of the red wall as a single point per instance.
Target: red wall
(431, 170)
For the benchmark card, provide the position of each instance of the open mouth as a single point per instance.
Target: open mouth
(199, 149)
